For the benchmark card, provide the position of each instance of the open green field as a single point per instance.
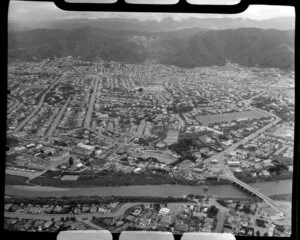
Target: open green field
(11, 157)
(282, 197)
(111, 179)
(172, 137)
(15, 180)
(228, 117)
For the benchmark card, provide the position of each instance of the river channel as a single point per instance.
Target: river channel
(268, 188)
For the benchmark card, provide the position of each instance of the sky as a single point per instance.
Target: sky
(39, 11)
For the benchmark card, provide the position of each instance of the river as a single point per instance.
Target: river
(268, 188)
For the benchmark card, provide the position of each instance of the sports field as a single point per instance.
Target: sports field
(172, 137)
(228, 117)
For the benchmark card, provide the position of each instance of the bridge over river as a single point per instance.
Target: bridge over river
(230, 176)
(255, 192)
(227, 173)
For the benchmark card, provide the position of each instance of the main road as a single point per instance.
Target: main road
(140, 128)
(181, 121)
(57, 119)
(15, 104)
(91, 103)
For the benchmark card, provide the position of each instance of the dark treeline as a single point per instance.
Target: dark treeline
(73, 201)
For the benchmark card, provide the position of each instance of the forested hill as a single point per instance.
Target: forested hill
(185, 48)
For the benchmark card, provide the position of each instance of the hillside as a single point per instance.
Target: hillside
(247, 47)
(185, 48)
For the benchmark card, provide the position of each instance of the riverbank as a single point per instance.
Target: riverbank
(115, 179)
(265, 179)
(92, 200)
(109, 180)
(16, 185)
(225, 190)
(282, 197)
(15, 180)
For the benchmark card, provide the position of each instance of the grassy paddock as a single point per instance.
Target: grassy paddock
(15, 180)
(111, 179)
(282, 197)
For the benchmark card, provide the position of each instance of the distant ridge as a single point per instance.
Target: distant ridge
(166, 24)
(185, 48)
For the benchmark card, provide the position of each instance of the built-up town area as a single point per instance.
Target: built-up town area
(78, 124)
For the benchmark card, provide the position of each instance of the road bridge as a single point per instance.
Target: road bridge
(254, 192)
(227, 171)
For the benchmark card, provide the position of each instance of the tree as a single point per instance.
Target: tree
(140, 90)
(247, 209)
(237, 206)
(278, 168)
(212, 211)
(71, 161)
(222, 202)
(223, 137)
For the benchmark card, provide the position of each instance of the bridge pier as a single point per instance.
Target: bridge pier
(246, 190)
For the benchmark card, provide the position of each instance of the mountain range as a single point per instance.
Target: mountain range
(184, 47)
(166, 24)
